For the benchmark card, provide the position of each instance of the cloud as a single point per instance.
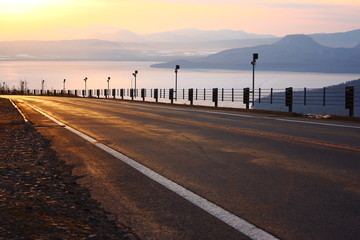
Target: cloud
(302, 5)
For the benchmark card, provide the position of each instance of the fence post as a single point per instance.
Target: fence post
(122, 91)
(143, 94)
(156, 94)
(215, 96)
(191, 96)
(132, 94)
(349, 99)
(305, 96)
(232, 94)
(324, 92)
(271, 95)
(171, 95)
(259, 95)
(246, 97)
(289, 98)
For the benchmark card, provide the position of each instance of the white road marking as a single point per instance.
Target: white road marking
(316, 123)
(25, 119)
(227, 217)
(241, 115)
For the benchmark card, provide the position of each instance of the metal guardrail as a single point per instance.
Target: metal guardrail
(346, 98)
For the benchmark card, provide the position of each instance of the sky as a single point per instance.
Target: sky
(37, 19)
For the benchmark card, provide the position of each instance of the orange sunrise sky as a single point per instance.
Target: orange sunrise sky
(39, 19)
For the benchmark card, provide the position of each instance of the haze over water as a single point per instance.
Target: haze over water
(53, 73)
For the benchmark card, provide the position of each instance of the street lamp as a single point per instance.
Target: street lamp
(85, 80)
(177, 67)
(134, 74)
(108, 90)
(253, 63)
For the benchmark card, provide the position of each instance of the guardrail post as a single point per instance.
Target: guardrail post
(191, 96)
(259, 95)
(215, 96)
(143, 94)
(171, 95)
(289, 98)
(156, 94)
(349, 99)
(246, 97)
(132, 94)
(122, 91)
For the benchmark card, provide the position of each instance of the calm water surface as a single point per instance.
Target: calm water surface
(54, 73)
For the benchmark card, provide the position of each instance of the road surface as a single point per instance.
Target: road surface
(294, 178)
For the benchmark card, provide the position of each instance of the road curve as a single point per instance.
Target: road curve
(294, 178)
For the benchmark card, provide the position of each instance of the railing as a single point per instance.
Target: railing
(329, 100)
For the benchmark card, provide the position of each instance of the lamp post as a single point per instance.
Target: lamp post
(108, 90)
(253, 63)
(134, 74)
(85, 80)
(177, 67)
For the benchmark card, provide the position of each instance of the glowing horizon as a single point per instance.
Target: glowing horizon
(19, 18)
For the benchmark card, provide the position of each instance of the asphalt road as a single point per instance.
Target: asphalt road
(292, 177)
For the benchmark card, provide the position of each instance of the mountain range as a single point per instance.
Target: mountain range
(224, 49)
(298, 53)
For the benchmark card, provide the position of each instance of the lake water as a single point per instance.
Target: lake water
(54, 73)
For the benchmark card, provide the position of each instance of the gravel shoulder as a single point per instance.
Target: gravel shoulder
(39, 196)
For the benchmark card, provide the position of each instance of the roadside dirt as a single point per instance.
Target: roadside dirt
(39, 196)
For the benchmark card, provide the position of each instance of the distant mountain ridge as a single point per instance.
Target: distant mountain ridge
(341, 39)
(298, 53)
(196, 35)
(222, 49)
(90, 49)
